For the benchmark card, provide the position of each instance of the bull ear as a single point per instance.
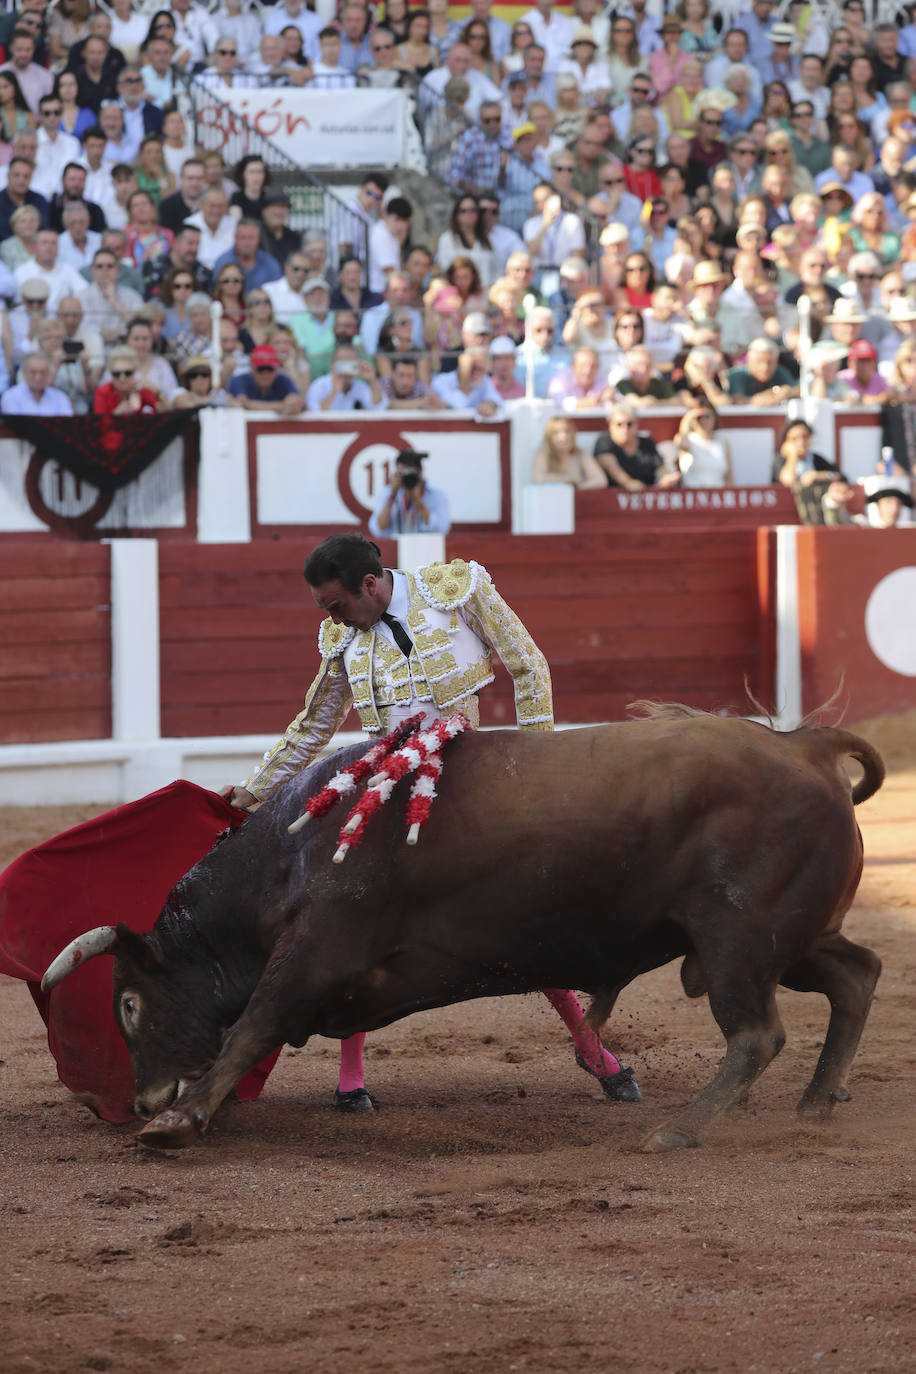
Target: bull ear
(139, 949)
(102, 940)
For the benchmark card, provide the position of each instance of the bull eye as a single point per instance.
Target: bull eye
(130, 1010)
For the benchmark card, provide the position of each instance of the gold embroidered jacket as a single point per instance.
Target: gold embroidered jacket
(457, 620)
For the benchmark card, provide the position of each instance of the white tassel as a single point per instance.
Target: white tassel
(340, 854)
(413, 833)
(300, 824)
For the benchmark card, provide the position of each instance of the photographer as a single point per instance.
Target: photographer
(409, 505)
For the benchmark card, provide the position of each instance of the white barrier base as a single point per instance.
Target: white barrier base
(109, 772)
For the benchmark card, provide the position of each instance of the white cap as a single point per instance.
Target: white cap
(501, 344)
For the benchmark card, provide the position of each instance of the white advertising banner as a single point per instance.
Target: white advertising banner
(346, 128)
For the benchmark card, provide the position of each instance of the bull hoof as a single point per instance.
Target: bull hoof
(670, 1138)
(815, 1109)
(169, 1131)
(358, 1100)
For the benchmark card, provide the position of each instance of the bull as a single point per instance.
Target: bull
(578, 859)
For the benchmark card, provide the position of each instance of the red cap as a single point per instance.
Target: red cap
(860, 349)
(264, 356)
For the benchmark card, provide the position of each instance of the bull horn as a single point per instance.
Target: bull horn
(102, 940)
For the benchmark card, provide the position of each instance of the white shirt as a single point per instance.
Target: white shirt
(384, 253)
(564, 236)
(213, 244)
(99, 186)
(306, 21)
(128, 34)
(286, 302)
(554, 37)
(196, 32)
(433, 88)
(63, 280)
(359, 391)
(67, 250)
(20, 401)
(52, 157)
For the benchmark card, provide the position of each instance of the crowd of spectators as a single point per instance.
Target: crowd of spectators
(641, 201)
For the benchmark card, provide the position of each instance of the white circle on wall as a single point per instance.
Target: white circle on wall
(890, 621)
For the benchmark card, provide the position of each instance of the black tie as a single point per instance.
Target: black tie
(401, 638)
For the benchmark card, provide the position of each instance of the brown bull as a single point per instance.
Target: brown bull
(577, 859)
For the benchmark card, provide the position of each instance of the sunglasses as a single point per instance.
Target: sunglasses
(640, 90)
(32, 300)
(265, 367)
(227, 52)
(713, 123)
(129, 372)
(193, 376)
(259, 300)
(637, 267)
(612, 181)
(382, 47)
(54, 114)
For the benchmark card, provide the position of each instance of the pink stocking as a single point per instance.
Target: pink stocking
(568, 1007)
(351, 1062)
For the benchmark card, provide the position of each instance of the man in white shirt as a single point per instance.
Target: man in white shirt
(227, 69)
(809, 85)
(195, 32)
(386, 241)
(552, 31)
(118, 146)
(551, 234)
(141, 116)
(640, 93)
(78, 243)
(55, 148)
(350, 385)
(107, 307)
(331, 75)
(63, 278)
(217, 227)
(159, 81)
(34, 395)
(99, 188)
(286, 292)
(735, 49)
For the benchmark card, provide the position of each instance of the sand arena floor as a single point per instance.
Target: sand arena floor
(497, 1213)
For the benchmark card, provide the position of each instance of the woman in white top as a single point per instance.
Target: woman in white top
(704, 460)
(467, 237)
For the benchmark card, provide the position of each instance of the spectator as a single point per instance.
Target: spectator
(642, 386)
(146, 239)
(314, 328)
(20, 246)
(539, 353)
(478, 156)
(70, 371)
(78, 243)
(181, 257)
(122, 182)
(523, 170)
(108, 307)
(70, 315)
(277, 238)
(329, 71)
(18, 192)
(402, 388)
(55, 148)
(62, 278)
(824, 358)
(153, 372)
(581, 386)
(409, 504)
(703, 459)
(260, 325)
(265, 387)
(75, 118)
(194, 337)
(217, 228)
(560, 458)
(15, 115)
(862, 378)
(293, 362)
(551, 234)
(388, 241)
(469, 387)
(351, 293)
(761, 381)
(350, 385)
(97, 66)
(34, 80)
(184, 203)
(888, 502)
(123, 395)
(628, 458)
(503, 354)
(252, 177)
(257, 267)
(638, 282)
(395, 341)
(796, 466)
(591, 326)
(158, 79)
(286, 292)
(197, 389)
(34, 395)
(656, 237)
(99, 186)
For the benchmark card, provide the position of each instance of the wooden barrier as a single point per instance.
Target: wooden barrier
(55, 663)
(238, 637)
(645, 614)
(857, 622)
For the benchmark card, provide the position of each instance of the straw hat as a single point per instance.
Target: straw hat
(845, 311)
(582, 34)
(829, 186)
(900, 310)
(707, 274)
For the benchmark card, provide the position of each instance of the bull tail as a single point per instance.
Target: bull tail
(866, 755)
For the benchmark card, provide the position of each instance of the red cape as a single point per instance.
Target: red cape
(120, 866)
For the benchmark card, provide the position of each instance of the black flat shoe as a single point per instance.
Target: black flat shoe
(358, 1100)
(617, 1087)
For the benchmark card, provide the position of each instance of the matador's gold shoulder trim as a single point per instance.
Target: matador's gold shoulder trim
(449, 585)
(333, 639)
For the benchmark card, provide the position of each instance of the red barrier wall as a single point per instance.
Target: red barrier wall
(55, 659)
(238, 636)
(840, 571)
(655, 614)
